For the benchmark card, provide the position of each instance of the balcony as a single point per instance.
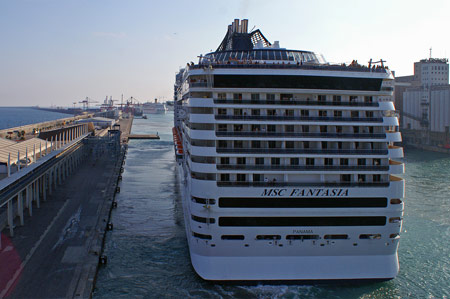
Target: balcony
(293, 102)
(304, 167)
(299, 118)
(300, 135)
(222, 150)
(300, 184)
(396, 167)
(393, 136)
(198, 84)
(395, 152)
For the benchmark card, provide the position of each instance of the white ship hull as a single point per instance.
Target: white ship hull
(154, 108)
(272, 268)
(288, 170)
(305, 260)
(154, 111)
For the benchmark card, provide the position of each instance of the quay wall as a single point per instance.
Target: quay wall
(99, 174)
(44, 125)
(430, 148)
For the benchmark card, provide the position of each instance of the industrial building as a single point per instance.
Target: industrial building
(423, 101)
(99, 122)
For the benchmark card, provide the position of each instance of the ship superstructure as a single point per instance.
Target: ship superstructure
(154, 108)
(288, 164)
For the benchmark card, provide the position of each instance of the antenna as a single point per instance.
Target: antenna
(430, 51)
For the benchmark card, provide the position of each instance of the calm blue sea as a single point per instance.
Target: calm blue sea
(18, 116)
(147, 250)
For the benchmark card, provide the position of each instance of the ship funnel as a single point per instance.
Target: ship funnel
(244, 26)
(236, 25)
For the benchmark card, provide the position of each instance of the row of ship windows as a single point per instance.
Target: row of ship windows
(255, 179)
(299, 202)
(291, 97)
(290, 100)
(243, 177)
(275, 128)
(288, 161)
(296, 237)
(299, 161)
(291, 112)
(229, 221)
(247, 112)
(293, 82)
(273, 144)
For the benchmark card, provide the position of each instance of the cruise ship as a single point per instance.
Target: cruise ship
(154, 108)
(287, 164)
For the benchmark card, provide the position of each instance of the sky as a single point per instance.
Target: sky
(57, 52)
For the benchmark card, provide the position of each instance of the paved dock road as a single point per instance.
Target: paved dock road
(55, 254)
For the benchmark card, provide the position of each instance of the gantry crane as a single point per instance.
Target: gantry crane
(86, 103)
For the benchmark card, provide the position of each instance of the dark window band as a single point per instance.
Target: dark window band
(303, 221)
(203, 220)
(200, 110)
(202, 142)
(211, 201)
(203, 159)
(233, 237)
(296, 82)
(329, 202)
(203, 176)
(302, 237)
(202, 236)
(268, 237)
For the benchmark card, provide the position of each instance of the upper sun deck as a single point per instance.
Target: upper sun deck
(240, 49)
(283, 64)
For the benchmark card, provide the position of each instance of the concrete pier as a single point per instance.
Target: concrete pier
(53, 242)
(28, 129)
(143, 136)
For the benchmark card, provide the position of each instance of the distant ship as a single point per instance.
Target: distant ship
(154, 108)
(170, 105)
(287, 164)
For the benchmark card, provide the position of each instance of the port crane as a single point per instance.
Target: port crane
(86, 103)
(108, 104)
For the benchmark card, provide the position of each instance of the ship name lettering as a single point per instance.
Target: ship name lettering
(308, 192)
(319, 192)
(274, 192)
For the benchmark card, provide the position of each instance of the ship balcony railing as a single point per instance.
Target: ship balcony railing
(299, 118)
(296, 102)
(304, 167)
(299, 134)
(396, 167)
(393, 162)
(395, 151)
(198, 84)
(301, 184)
(307, 66)
(266, 150)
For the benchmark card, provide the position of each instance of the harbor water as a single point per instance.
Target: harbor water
(148, 255)
(147, 250)
(11, 117)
